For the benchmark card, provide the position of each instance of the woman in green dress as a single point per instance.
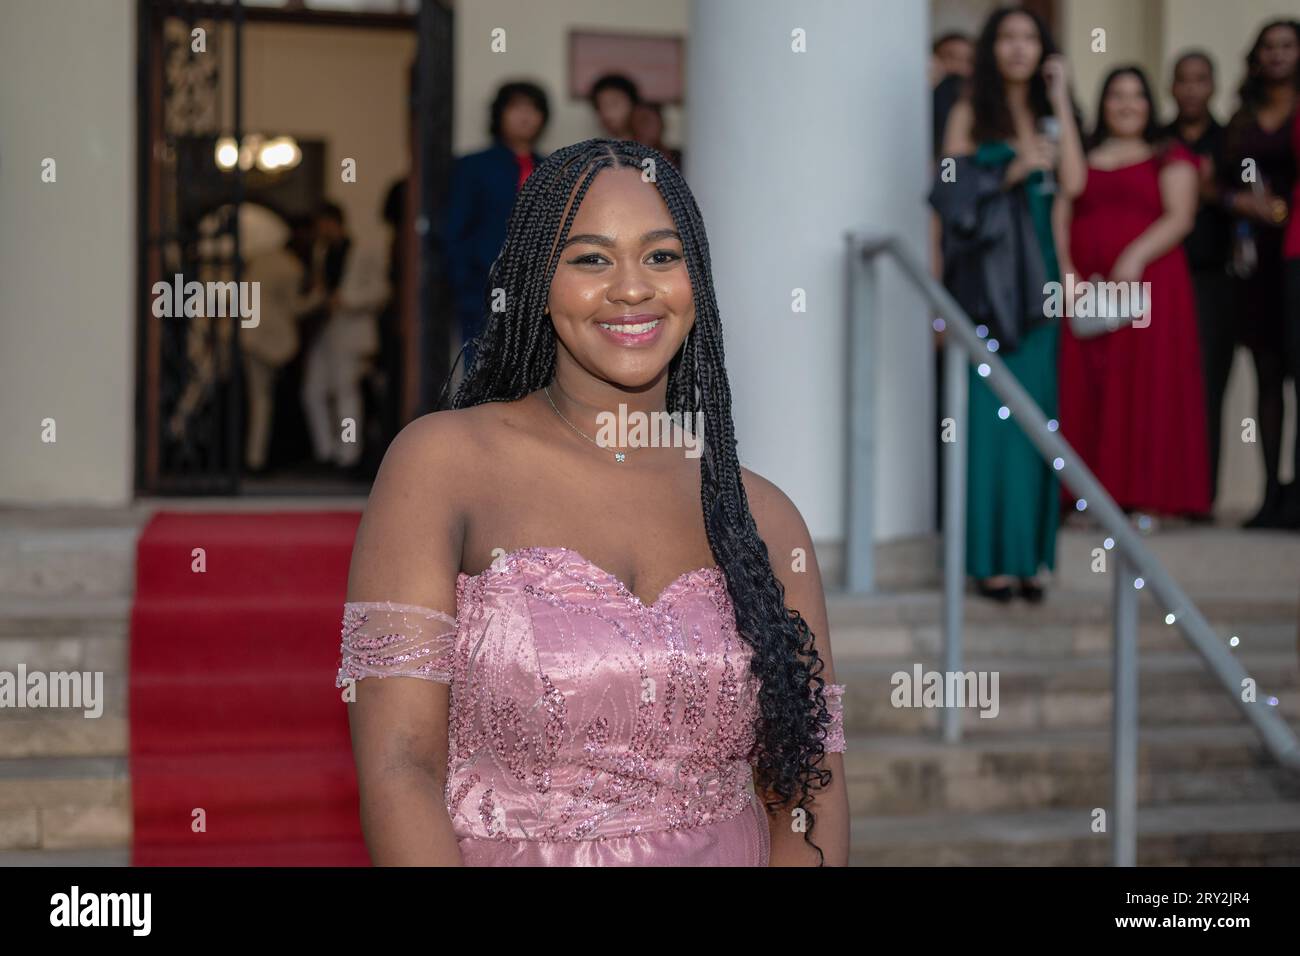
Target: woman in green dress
(1013, 498)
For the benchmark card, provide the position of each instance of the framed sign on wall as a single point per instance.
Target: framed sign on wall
(655, 62)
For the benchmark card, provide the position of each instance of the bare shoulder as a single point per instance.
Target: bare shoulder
(408, 546)
(790, 551)
(449, 444)
(779, 522)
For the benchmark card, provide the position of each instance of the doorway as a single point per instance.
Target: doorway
(253, 123)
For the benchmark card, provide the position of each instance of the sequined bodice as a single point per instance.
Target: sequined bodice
(577, 712)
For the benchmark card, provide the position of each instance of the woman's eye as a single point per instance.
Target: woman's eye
(659, 257)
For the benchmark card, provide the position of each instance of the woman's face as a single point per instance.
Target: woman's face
(521, 120)
(1279, 54)
(1125, 106)
(1193, 87)
(614, 108)
(1018, 48)
(621, 298)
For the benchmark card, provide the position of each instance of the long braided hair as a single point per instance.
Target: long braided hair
(515, 356)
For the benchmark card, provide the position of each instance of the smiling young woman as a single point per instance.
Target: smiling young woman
(615, 660)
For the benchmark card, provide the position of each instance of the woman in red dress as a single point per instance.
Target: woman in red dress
(1132, 399)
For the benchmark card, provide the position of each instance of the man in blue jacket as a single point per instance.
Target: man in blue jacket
(480, 197)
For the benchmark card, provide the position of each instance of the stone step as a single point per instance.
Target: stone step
(62, 733)
(1213, 560)
(1060, 608)
(1174, 688)
(114, 856)
(64, 803)
(1204, 834)
(1220, 559)
(902, 775)
(903, 626)
(56, 616)
(68, 561)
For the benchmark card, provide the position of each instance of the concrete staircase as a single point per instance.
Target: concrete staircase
(66, 580)
(1018, 790)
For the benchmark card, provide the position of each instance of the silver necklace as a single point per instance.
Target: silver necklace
(619, 456)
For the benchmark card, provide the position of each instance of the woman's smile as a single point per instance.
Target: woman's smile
(633, 330)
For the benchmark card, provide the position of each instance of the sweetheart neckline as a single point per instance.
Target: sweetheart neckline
(614, 579)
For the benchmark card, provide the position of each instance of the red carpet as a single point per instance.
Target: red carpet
(233, 708)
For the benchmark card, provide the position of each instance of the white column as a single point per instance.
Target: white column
(67, 251)
(786, 151)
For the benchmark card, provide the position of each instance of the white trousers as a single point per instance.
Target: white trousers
(331, 394)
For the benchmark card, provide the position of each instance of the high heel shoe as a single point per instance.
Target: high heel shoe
(1289, 511)
(1031, 591)
(1000, 593)
(1269, 514)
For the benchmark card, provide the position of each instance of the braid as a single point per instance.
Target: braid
(516, 356)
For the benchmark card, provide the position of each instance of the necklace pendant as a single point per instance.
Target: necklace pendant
(619, 456)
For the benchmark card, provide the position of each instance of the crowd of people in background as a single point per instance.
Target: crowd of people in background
(1197, 212)
(330, 310)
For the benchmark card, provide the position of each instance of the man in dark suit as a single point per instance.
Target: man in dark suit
(480, 198)
(1209, 245)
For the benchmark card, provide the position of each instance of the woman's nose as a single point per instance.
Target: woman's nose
(630, 284)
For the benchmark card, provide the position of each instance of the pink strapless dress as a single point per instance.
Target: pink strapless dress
(585, 728)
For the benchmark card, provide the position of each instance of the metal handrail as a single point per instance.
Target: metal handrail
(1136, 568)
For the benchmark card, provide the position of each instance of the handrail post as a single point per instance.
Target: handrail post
(863, 304)
(1124, 728)
(955, 372)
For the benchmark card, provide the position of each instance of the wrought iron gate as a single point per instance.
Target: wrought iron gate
(188, 411)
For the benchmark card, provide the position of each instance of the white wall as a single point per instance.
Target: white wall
(537, 50)
(787, 151)
(67, 249)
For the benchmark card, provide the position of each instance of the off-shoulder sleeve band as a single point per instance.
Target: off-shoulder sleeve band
(834, 740)
(385, 639)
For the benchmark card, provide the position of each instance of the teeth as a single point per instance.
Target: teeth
(630, 329)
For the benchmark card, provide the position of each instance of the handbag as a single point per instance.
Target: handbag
(1103, 318)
